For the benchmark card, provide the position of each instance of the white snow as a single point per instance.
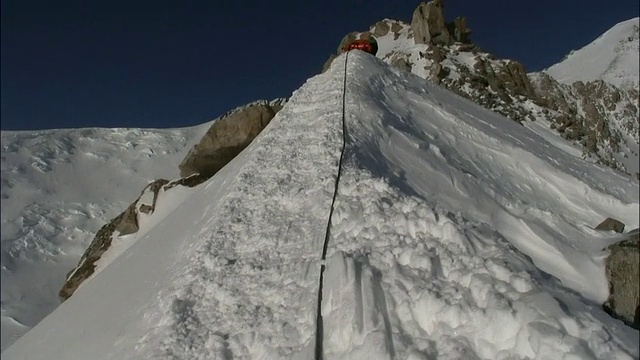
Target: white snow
(612, 57)
(58, 188)
(457, 234)
(391, 42)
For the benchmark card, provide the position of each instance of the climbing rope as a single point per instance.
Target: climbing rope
(319, 324)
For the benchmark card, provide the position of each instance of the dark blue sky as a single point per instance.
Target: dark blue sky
(181, 63)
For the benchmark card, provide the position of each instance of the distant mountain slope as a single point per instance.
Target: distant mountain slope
(58, 188)
(445, 215)
(612, 57)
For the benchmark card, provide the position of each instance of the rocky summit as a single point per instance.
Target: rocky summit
(598, 114)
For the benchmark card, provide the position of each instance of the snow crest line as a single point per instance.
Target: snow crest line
(319, 325)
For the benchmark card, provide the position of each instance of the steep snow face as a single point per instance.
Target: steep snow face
(436, 197)
(445, 216)
(234, 269)
(58, 188)
(612, 57)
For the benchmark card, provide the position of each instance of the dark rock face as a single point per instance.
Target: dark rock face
(428, 24)
(586, 113)
(610, 224)
(126, 221)
(498, 85)
(623, 273)
(458, 29)
(226, 138)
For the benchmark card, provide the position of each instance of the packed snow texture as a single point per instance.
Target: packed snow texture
(457, 234)
(612, 57)
(58, 188)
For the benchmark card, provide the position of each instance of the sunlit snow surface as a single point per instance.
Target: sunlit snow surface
(612, 57)
(457, 234)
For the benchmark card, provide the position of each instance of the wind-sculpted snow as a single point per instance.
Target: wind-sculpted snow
(422, 263)
(456, 234)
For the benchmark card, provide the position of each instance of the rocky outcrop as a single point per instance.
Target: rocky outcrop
(382, 28)
(428, 24)
(599, 116)
(328, 63)
(498, 85)
(611, 224)
(125, 223)
(226, 138)
(623, 274)
(401, 62)
(458, 29)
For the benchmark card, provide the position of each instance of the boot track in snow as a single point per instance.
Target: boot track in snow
(319, 325)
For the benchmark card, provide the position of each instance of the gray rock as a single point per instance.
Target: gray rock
(436, 73)
(226, 138)
(623, 273)
(381, 28)
(401, 63)
(458, 29)
(602, 118)
(395, 29)
(125, 223)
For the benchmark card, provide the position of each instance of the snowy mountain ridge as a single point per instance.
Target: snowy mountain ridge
(432, 253)
(612, 57)
(456, 234)
(601, 119)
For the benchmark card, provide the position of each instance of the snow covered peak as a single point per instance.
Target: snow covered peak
(444, 215)
(612, 57)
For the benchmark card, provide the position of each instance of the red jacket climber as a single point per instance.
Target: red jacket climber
(366, 45)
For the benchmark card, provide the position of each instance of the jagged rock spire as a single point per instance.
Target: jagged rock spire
(429, 27)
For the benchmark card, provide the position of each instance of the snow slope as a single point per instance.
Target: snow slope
(457, 233)
(58, 188)
(612, 57)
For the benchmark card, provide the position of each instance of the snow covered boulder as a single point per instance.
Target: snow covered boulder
(623, 273)
(226, 138)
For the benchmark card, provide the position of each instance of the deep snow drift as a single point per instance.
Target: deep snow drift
(612, 57)
(457, 233)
